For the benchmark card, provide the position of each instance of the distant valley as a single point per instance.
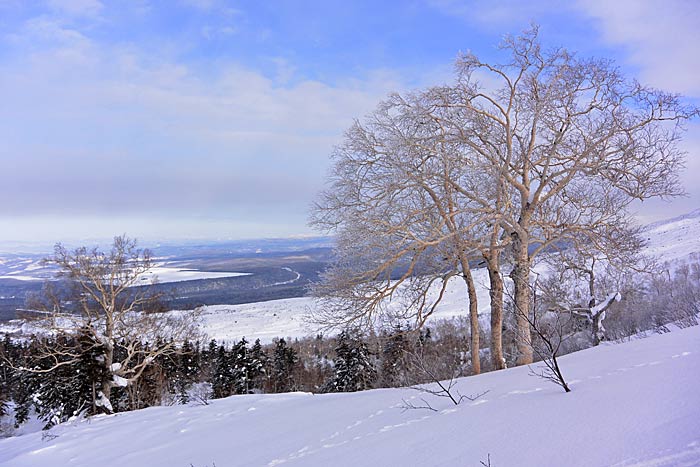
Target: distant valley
(190, 275)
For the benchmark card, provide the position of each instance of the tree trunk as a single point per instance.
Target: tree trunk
(521, 282)
(106, 384)
(596, 329)
(496, 295)
(473, 316)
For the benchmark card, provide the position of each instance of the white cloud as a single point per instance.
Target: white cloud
(77, 8)
(92, 129)
(660, 37)
(200, 4)
(47, 29)
(214, 32)
(502, 15)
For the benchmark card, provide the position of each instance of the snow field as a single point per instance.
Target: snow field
(164, 274)
(674, 239)
(290, 317)
(632, 404)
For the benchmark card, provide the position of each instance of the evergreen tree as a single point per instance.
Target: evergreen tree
(188, 367)
(394, 361)
(240, 367)
(70, 389)
(90, 372)
(6, 355)
(58, 391)
(257, 367)
(26, 385)
(284, 362)
(222, 384)
(208, 361)
(354, 369)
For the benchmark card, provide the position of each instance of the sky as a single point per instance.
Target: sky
(213, 119)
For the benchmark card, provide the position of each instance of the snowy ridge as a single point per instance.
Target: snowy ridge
(688, 215)
(674, 239)
(632, 404)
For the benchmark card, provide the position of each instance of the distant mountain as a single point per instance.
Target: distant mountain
(238, 248)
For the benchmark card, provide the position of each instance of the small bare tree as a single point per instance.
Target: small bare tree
(110, 307)
(547, 332)
(549, 337)
(438, 387)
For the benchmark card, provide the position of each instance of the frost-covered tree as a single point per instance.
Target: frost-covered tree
(223, 382)
(519, 154)
(258, 367)
(240, 367)
(395, 351)
(587, 276)
(109, 302)
(188, 368)
(6, 373)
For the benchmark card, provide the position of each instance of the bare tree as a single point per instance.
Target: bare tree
(437, 387)
(109, 305)
(550, 333)
(402, 229)
(558, 125)
(551, 148)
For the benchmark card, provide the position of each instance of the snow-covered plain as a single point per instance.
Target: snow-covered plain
(632, 404)
(163, 274)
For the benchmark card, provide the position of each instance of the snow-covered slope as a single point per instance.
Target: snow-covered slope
(632, 404)
(290, 317)
(674, 239)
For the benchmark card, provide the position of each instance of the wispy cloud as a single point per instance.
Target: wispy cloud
(660, 37)
(77, 8)
(503, 15)
(106, 129)
(149, 114)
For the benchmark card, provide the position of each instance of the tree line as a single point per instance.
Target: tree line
(198, 372)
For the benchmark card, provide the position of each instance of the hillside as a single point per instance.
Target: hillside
(674, 239)
(671, 240)
(635, 403)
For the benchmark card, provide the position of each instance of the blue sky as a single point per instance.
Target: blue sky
(215, 119)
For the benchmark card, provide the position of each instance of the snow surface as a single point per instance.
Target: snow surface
(165, 274)
(290, 317)
(632, 404)
(161, 273)
(674, 239)
(19, 277)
